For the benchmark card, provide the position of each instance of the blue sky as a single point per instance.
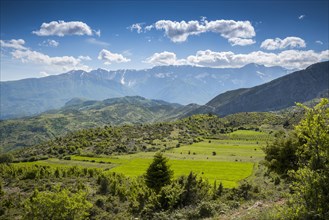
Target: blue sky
(41, 38)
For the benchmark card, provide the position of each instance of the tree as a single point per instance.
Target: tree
(104, 185)
(311, 192)
(308, 148)
(281, 154)
(58, 205)
(195, 189)
(1, 187)
(159, 173)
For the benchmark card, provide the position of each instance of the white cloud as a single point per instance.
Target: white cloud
(277, 43)
(110, 57)
(51, 64)
(98, 33)
(203, 18)
(63, 63)
(149, 27)
(231, 29)
(87, 58)
(49, 43)
(319, 42)
(241, 41)
(53, 43)
(13, 44)
(179, 31)
(97, 42)
(44, 74)
(301, 17)
(62, 28)
(138, 27)
(290, 59)
(237, 32)
(163, 58)
(210, 58)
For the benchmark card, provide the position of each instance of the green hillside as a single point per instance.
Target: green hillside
(79, 114)
(125, 139)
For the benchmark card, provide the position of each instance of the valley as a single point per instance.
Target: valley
(164, 110)
(218, 159)
(228, 161)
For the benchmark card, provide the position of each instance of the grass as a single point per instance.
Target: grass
(225, 150)
(229, 173)
(249, 135)
(54, 162)
(232, 161)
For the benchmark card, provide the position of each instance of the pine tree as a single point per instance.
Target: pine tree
(159, 173)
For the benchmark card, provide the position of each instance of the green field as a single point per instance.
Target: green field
(227, 161)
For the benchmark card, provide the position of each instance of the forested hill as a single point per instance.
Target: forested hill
(129, 139)
(82, 114)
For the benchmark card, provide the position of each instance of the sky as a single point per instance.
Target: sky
(42, 38)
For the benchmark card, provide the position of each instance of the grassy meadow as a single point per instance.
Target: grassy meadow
(228, 160)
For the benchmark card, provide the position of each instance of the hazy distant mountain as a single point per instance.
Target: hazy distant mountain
(81, 114)
(178, 84)
(299, 86)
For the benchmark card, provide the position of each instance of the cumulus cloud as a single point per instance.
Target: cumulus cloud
(240, 41)
(237, 32)
(52, 64)
(110, 57)
(13, 44)
(277, 43)
(290, 59)
(49, 43)
(231, 29)
(179, 31)
(63, 63)
(149, 27)
(319, 42)
(62, 28)
(163, 58)
(87, 58)
(138, 27)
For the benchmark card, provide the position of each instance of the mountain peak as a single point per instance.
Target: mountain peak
(101, 70)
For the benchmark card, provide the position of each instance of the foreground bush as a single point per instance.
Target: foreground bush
(58, 205)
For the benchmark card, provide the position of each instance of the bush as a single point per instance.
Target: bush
(57, 205)
(6, 158)
(206, 210)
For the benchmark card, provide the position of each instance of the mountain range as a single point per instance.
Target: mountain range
(175, 84)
